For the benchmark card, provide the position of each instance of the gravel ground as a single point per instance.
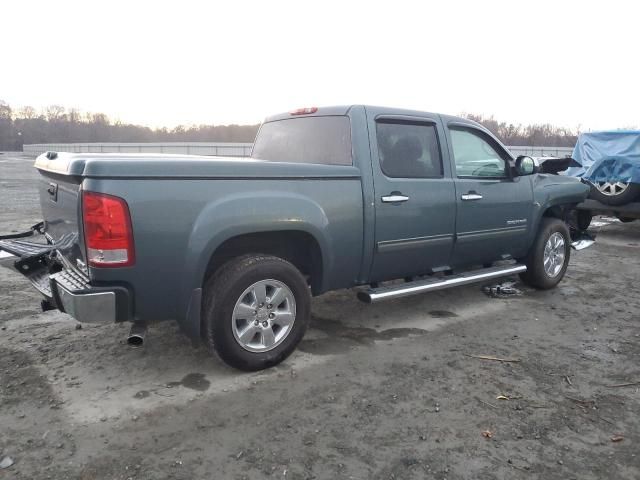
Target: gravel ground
(386, 392)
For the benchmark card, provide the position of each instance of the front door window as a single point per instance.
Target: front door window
(475, 156)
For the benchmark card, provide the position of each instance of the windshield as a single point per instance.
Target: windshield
(325, 140)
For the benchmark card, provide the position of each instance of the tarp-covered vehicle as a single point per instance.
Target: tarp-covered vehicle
(610, 162)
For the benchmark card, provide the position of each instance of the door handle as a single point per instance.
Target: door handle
(395, 198)
(471, 196)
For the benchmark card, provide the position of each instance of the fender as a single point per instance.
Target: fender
(554, 191)
(244, 213)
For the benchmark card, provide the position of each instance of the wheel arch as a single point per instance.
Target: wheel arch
(301, 247)
(554, 211)
(298, 247)
(557, 210)
(249, 219)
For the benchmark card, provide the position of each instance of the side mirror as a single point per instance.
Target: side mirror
(525, 165)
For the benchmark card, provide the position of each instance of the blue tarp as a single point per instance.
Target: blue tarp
(607, 156)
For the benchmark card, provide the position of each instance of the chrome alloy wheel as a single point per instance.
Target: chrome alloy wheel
(611, 189)
(263, 316)
(554, 253)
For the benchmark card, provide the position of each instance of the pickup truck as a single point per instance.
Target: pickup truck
(331, 198)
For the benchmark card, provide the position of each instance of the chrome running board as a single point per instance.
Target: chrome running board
(374, 295)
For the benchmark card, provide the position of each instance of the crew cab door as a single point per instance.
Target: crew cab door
(493, 208)
(414, 195)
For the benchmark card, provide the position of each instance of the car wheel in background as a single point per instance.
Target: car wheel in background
(615, 193)
(548, 258)
(256, 310)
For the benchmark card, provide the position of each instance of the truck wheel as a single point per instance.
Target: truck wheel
(256, 310)
(549, 256)
(615, 193)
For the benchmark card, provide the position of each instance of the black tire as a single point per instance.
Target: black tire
(627, 196)
(583, 219)
(223, 290)
(536, 276)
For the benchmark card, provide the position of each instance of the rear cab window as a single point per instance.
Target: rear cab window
(324, 140)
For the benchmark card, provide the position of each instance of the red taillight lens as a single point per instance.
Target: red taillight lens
(107, 230)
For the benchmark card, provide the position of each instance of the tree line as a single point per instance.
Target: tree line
(536, 135)
(56, 124)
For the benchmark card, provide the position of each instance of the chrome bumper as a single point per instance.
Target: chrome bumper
(70, 290)
(99, 307)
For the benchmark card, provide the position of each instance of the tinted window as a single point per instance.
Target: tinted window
(408, 150)
(475, 156)
(305, 140)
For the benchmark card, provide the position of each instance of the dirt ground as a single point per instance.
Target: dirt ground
(391, 391)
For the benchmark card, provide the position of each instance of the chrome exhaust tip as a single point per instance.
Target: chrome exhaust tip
(136, 335)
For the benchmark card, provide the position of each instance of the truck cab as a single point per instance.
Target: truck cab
(447, 195)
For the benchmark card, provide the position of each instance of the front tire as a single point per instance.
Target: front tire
(548, 258)
(256, 309)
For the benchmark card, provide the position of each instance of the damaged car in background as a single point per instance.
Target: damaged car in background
(610, 162)
(331, 198)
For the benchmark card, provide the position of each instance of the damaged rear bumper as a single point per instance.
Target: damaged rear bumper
(65, 288)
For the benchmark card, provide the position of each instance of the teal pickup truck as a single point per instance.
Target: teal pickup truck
(338, 197)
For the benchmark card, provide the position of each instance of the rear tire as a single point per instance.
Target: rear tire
(548, 258)
(256, 309)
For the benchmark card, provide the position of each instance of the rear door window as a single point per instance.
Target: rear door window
(408, 150)
(325, 140)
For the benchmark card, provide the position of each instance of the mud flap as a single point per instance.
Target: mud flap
(580, 238)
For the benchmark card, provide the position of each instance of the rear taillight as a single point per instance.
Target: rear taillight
(107, 230)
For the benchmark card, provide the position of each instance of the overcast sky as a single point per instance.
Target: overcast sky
(569, 63)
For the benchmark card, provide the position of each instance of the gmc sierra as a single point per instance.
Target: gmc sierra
(331, 198)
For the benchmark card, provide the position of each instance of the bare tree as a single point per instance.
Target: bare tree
(540, 135)
(27, 112)
(54, 112)
(5, 110)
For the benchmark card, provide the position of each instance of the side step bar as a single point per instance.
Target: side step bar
(374, 295)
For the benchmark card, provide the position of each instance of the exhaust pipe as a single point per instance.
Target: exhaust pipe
(136, 334)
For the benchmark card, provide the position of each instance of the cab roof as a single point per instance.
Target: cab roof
(344, 110)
